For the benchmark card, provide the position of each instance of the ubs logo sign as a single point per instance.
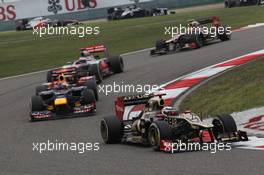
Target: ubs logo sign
(70, 5)
(54, 6)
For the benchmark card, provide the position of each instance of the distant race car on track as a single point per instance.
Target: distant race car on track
(25, 24)
(95, 61)
(134, 12)
(196, 38)
(73, 76)
(157, 125)
(238, 3)
(60, 99)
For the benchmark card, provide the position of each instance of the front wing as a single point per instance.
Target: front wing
(77, 112)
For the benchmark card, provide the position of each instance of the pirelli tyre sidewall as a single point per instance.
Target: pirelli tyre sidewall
(49, 76)
(158, 130)
(88, 96)
(161, 44)
(36, 104)
(116, 64)
(91, 84)
(111, 129)
(198, 40)
(225, 36)
(224, 124)
(41, 88)
(94, 70)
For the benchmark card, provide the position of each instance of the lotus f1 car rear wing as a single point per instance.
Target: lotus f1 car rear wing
(140, 99)
(215, 20)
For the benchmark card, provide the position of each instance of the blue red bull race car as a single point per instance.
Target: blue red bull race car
(68, 95)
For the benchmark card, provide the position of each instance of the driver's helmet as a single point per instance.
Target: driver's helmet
(194, 24)
(62, 82)
(155, 104)
(169, 111)
(188, 114)
(85, 53)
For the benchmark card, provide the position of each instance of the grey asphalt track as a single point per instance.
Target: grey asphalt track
(17, 134)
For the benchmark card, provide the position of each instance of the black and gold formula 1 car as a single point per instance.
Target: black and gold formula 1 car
(157, 124)
(198, 33)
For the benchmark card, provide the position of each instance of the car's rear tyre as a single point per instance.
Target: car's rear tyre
(226, 4)
(152, 52)
(94, 70)
(41, 88)
(88, 96)
(116, 64)
(224, 124)
(224, 36)
(49, 76)
(81, 72)
(161, 44)
(111, 130)
(198, 40)
(91, 84)
(158, 130)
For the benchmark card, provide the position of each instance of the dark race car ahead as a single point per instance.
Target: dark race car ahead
(95, 61)
(64, 97)
(134, 11)
(157, 125)
(39, 22)
(195, 38)
(239, 3)
(73, 76)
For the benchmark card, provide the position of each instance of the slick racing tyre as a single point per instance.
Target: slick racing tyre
(91, 84)
(161, 44)
(198, 40)
(49, 76)
(82, 72)
(116, 64)
(36, 103)
(88, 96)
(41, 88)
(94, 70)
(224, 124)
(158, 130)
(111, 130)
(224, 36)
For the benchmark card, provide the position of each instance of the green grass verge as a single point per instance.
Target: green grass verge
(22, 52)
(235, 90)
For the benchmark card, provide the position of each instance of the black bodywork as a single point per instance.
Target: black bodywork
(193, 40)
(238, 3)
(62, 102)
(116, 13)
(166, 124)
